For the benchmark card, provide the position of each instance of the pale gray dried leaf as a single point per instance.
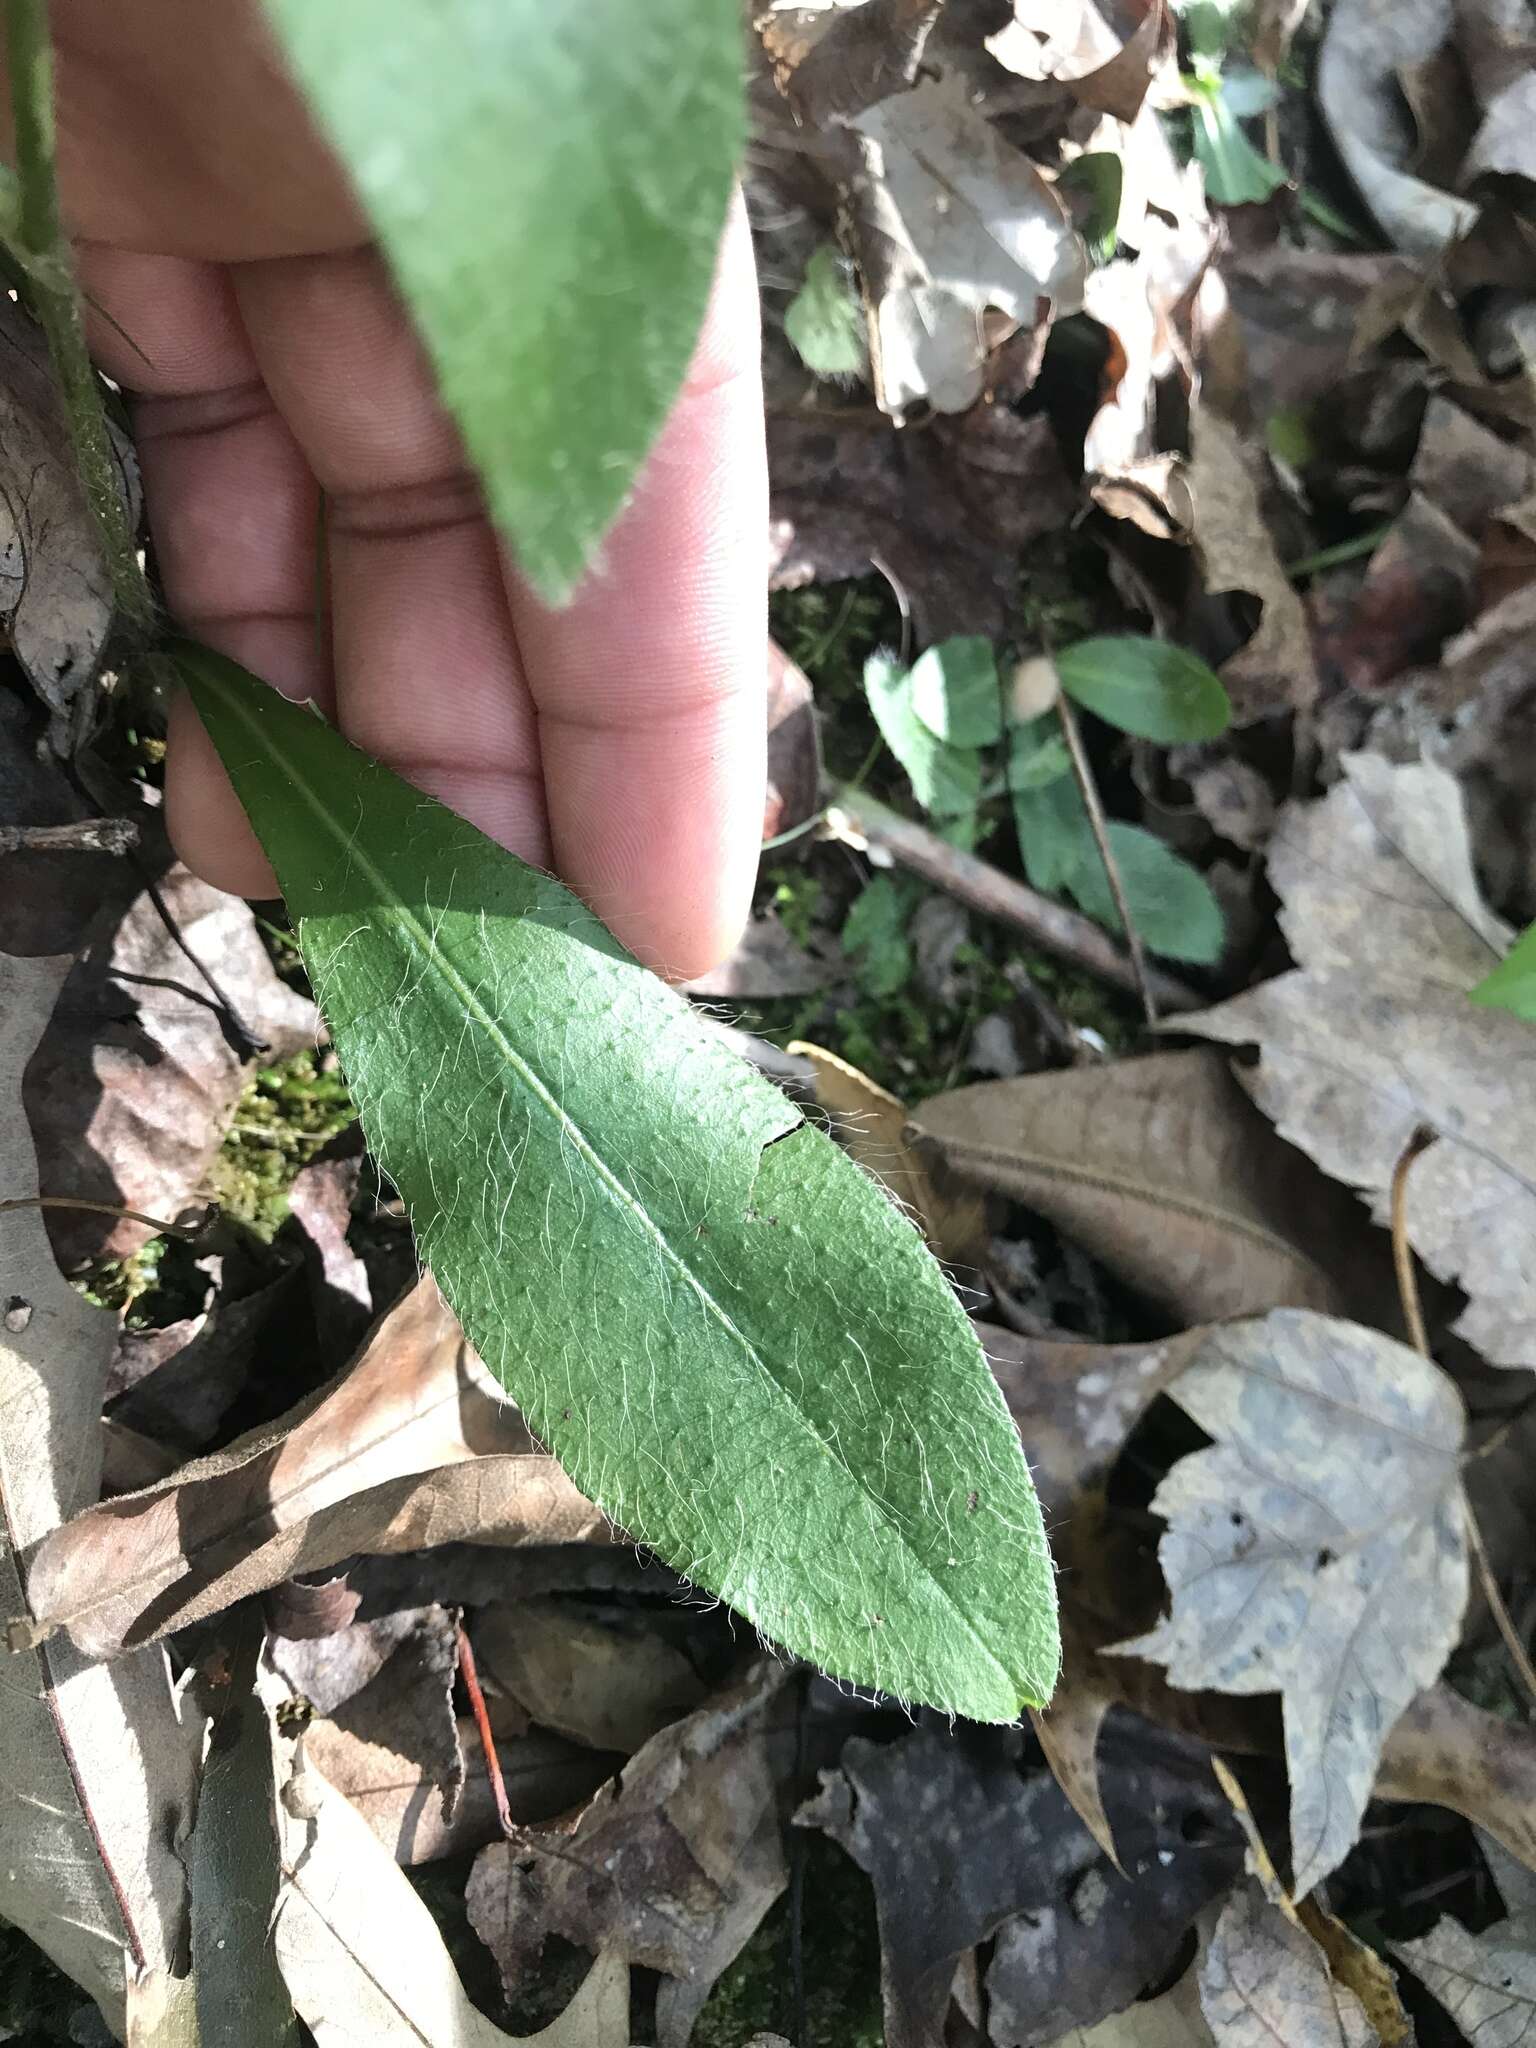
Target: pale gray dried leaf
(952, 221)
(1275, 672)
(1372, 1038)
(360, 1952)
(1157, 1167)
(1316, 1549)
(96, 1768)
(1367, 45)
(1263, 1979)
(55, 589)
(1486, 1982)
(414, 1445)
(672, 1866)
(1077, 48)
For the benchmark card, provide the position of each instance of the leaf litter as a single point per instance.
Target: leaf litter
(1041, 380)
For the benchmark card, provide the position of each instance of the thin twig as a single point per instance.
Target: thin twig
(43, 251)
(860, 821)
(1089, 790)
(1413, 1318)
(477, 1707)
(88, 835)
(189, 1233)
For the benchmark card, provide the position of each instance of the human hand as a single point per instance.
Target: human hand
(238, 299)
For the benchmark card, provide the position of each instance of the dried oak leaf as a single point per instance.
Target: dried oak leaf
(1158, 1168)
(671, 1866)
(1264, 1979)
(963, 1846)
(1317, 1549)
(97, 1768)
(1372, 1038)
(414, 1445)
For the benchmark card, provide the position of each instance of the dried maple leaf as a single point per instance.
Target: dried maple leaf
(1316, 1549)
(1264, 1979)
(1373, 1039)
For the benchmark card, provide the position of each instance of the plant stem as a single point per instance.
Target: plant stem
(44, 252)
(1100, 828)
(1413, 1318)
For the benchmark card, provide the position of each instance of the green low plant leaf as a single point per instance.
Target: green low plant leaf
(956, 692)
(732, 1340)
(1512, 984)
(1093, 184)
(1235, 173)
(1038, 755)
(549, 185)
(946, 780)
(1148, 688)
(1171, 903)
(874, 936)
(824, 320)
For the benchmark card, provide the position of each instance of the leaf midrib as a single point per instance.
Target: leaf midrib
(396, 912)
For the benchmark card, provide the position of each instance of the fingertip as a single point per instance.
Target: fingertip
(208, 828)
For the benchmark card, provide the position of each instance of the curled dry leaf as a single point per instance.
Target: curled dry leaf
(1317, 1549)
(1157, 1167)
(1373, 1039)
(411, 1447)
(1264, 1979)
(1369, 43)
(96, 1767)
(671, 1866)
(963, 1846)
(55, 589)
(950, 221)
(360, 1952)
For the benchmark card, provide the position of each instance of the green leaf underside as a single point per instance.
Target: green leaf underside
(1148, 688)
(548, 184)
(1512, 984)
(956, 693)
(731, 1339)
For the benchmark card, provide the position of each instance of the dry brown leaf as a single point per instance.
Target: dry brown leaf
(1083, 53)
(1317, 1549)
(794, 747)
(1263, 1979)
(131, 1090)
(1157, 1168)
(871, 1125)
(360, 1952)
(606, 1680)
(1373, 1038)
(1275, 671)
(544, 1777)
(950, 221)
(672, 1866)
(414, 1445)
(55, 588)
(963, 1846)
(97, 1769)
(1450, 1753)
(766, 963)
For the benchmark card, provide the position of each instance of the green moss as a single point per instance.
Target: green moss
(118, 1284)
(841, 1959)
(286, 1115)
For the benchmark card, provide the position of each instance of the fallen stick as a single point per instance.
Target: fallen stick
(860, 821)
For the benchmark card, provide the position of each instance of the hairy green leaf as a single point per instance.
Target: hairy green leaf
(1512, 984)
(731, 1339)
(824, 320)
(956, 693)
(945, 779)
(874, 936)
(1148, 688)
(548, 184)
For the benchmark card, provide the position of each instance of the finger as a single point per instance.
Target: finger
(232, 508)
(428, 675)
(650, 684)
